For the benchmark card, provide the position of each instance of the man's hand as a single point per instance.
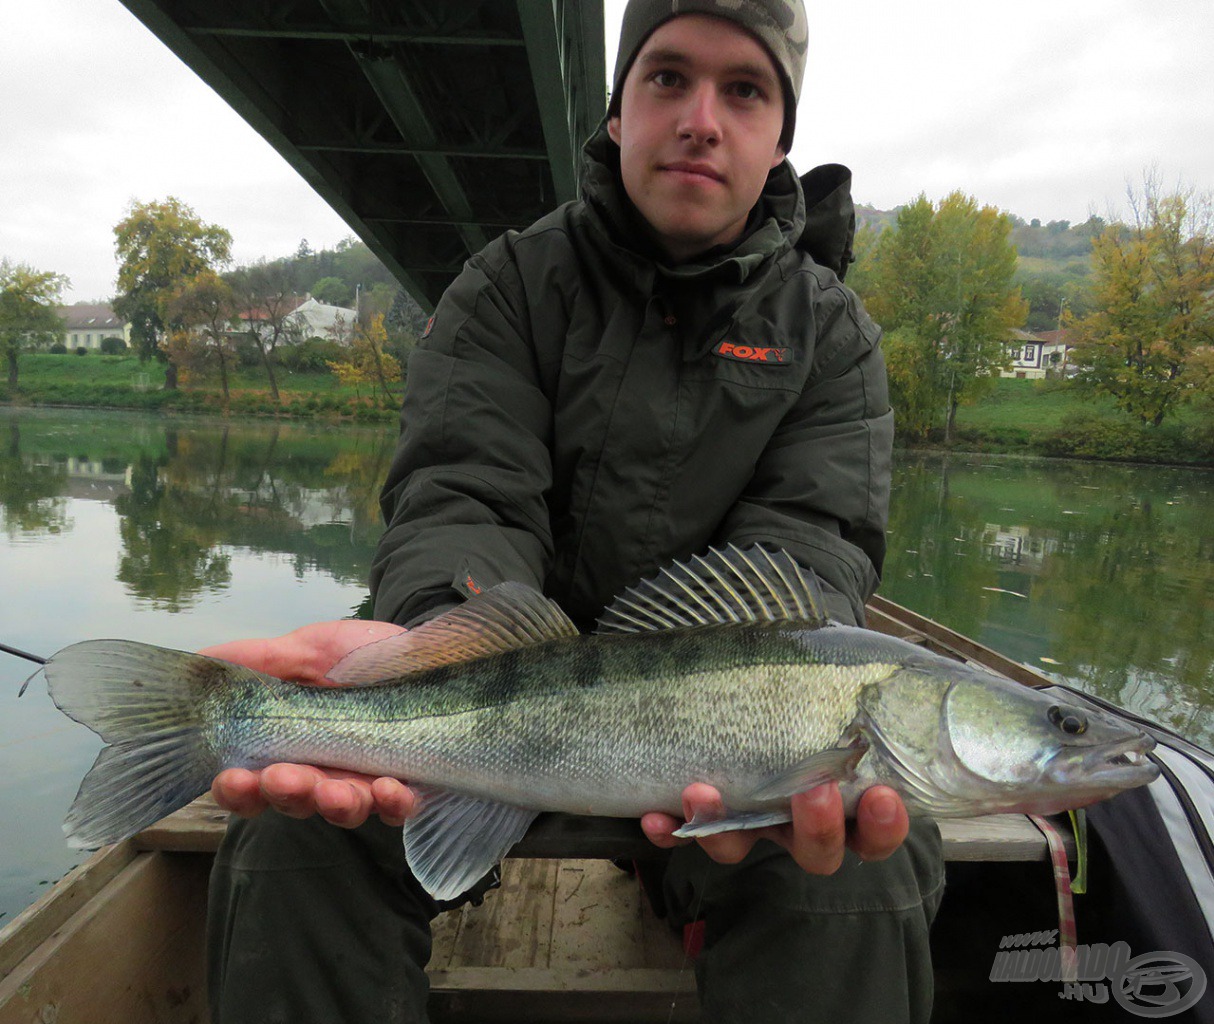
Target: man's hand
(816, 837)
(343, 798)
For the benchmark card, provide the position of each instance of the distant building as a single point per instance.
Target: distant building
(332, 323)
(1035, 356)
(85, 324)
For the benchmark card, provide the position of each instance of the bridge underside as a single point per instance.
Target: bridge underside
(430, 126)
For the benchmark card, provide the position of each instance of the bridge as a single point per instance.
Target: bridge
(430, 126)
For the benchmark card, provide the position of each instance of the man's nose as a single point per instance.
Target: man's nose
(700, 121)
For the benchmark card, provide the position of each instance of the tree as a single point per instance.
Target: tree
(267, 294)
(332, 291)
(203, 312)
(28, 317)
(941, 282)
(160, 245)
(366, 361)
(1152, 323)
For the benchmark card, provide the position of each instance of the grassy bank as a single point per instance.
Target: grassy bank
(1053, 418)
(1019, 416)
(123, 382)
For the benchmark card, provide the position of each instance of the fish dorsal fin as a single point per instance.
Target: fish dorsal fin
(503, 618)
(455, 840)
(730, 585)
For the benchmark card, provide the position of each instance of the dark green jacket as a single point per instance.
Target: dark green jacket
(580, 414)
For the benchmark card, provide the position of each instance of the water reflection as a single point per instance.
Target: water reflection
(186, 496)
(1101, 574)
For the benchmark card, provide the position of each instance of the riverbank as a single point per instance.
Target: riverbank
(1023, 417)
(123, 382)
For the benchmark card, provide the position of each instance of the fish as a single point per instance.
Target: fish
(723, 669)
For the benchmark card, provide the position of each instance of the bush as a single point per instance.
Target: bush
(311, 356)
(58, 349)
(82, 351)
(112, 346)
(1087, 435)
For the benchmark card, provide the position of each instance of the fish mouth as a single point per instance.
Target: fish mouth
(1122, 764)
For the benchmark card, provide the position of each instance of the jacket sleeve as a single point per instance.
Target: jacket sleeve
(821, 487)
(465, 498)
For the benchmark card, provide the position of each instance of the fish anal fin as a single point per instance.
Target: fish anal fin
(455, 840)
(503, 618)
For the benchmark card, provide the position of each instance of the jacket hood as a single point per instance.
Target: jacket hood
(776, 222)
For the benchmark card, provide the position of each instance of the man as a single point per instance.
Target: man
(649, 371)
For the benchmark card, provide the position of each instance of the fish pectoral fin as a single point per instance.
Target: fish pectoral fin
(831, 765)
(705, 826)
(455, 840)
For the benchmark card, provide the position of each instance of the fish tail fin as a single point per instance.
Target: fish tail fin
(146, 703)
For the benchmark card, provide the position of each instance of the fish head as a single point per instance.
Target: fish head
(1017, 749)
(958, 741)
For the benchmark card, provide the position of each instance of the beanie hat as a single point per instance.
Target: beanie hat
(780, 25)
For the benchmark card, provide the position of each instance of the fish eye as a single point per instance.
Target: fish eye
(1070, 721)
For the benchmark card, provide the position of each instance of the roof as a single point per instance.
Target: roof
(90, 316)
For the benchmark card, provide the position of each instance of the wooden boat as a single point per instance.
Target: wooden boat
(568, 936)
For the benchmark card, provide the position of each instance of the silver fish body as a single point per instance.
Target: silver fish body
(499, 710)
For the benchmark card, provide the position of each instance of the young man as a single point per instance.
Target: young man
(646, 372)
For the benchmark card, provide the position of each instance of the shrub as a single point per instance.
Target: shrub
(82, 351)
(58, 349)
(311, 356)
(112, 346)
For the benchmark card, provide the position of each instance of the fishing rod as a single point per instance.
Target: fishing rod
(18, 653)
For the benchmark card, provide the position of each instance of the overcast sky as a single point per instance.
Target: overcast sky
(1044, 108)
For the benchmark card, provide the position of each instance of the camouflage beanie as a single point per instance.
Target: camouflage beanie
(780, 25)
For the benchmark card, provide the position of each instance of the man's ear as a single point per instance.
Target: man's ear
(613, 129)
(778, 158)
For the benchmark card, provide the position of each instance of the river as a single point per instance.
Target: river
(187, 532)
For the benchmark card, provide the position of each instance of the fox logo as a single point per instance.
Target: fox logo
(754, 354)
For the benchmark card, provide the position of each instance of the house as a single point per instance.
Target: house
(85, 324)
(309, 319)
(333, 323)
(1035, 356)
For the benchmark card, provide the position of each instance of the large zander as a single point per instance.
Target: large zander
(721, 670)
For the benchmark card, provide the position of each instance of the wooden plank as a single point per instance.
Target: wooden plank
(199, 828)
(539, 994)
(38, 922)
(514, 926)
(135, 952)
(597, 917)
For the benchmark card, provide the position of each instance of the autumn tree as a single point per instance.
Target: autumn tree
(203, 313)
(161, 245)
(1146, 343)
(367, 361)
(940, 282)
(267, 295)
(28, 316)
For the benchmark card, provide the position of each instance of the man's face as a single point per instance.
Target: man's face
(698, 130)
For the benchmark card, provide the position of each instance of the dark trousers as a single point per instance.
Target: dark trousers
(308, 922)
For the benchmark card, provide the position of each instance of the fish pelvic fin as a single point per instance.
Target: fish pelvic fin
(503, 618)
(833, 765)
(147, 704)
(699, 826)
(455, 840)
(724, 586)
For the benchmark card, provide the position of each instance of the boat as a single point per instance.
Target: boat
(568, 936)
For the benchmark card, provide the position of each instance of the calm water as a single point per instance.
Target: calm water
(185, 533)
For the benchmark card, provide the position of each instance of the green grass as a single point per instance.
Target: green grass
(124, 382)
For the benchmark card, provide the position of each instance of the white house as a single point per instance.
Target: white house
(1037, 355)
(85, 324)
(319, 320)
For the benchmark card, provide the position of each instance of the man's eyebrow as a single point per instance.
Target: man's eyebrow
(746, 69)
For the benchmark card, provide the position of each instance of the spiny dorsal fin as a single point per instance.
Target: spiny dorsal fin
(503, 618)
(724, 586)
